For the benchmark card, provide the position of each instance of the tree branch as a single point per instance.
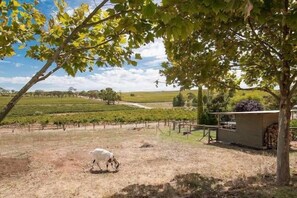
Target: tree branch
(92, 47)
(293, 89)
(84, 23)
(264, 43)
(110, 17)
(100, 44)
(265, 89)
(263, 48)
(48, 74)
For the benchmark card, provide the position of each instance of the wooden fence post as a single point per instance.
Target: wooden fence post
(208, 136)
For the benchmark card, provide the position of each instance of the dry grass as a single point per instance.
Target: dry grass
(56, 164)
(161, 105)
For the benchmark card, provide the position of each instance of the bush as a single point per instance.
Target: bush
(248, 105)
(178, 101)
(208, 119)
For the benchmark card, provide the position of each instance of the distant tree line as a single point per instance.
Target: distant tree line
(108, 94)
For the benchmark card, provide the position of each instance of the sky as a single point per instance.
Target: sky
(17, 70)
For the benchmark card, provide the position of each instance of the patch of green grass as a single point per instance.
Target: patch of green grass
(285, 192)
(192, 138)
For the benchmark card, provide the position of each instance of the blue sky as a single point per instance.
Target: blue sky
(17, 70)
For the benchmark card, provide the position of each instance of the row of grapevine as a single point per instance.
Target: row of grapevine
(125, 116)
(28, 110)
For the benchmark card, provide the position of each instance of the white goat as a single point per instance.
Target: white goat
(100, 154)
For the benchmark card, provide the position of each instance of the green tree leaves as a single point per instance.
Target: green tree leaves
(109, 96)
(16, 25)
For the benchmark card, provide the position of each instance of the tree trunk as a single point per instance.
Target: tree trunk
(199, 105)
(29, 84)
(283, 144)
(17, 97)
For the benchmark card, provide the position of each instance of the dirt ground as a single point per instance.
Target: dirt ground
(56, 164)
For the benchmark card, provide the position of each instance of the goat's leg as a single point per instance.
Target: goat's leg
(99, 166)
(107, 165)
(93, 164)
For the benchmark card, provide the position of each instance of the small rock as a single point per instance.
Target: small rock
(146, 145)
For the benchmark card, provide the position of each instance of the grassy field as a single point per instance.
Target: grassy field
(56, 164)
(167, 96)
(150, 97)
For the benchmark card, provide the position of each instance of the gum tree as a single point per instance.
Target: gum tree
(256, 37)
(102, 36)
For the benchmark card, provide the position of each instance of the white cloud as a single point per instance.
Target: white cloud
(118, 78)
(155, 63)
(18, 64)
(14, 80)
(155, 49)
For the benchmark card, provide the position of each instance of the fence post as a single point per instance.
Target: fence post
(208, 136)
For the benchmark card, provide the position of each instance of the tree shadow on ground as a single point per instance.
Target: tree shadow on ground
(193, 185)
(10, 166)
(250, 150)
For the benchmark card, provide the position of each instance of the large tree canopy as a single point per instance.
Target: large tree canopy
(103, 36)
(207, 40)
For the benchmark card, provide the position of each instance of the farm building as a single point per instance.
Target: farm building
(245, 128)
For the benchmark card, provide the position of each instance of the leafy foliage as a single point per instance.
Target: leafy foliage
(18, 24)
(109, 96)
(248, 105)
(178, 101)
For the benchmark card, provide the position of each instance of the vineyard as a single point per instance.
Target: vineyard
(126, 116)
(29, 106)
(54, 112)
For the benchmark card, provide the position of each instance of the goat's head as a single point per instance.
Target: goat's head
(116, 163)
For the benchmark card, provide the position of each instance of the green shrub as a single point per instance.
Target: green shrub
(208, 119)
(178, 101)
